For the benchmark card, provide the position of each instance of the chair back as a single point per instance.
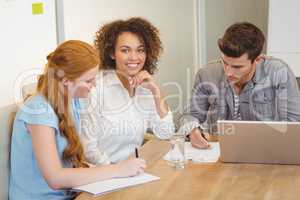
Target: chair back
(7, 115)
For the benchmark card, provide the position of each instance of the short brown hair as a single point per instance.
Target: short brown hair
(107, 35)
(242, 38)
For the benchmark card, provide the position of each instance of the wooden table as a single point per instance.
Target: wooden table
(209, 181)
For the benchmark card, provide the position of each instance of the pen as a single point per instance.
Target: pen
(202, 134)
(209, 146)
(136, 153)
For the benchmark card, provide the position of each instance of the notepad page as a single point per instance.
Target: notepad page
(199, 155)
(106, 186)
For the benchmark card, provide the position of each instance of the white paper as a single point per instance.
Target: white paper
(106, 186)
(199, 155)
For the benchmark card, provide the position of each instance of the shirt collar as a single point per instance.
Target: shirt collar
(109, 77)
(259, 72)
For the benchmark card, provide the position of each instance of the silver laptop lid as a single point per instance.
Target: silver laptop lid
(259, 142)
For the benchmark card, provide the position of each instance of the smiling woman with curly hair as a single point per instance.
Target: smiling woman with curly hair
(131, 101)
(106, 39)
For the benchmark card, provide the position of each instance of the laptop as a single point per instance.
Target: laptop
(259, 142)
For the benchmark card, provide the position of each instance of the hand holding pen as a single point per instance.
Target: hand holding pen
(132, 166)
(198, 139)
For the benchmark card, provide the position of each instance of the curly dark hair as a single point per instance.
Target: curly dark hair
(107, 35)
(242, 38)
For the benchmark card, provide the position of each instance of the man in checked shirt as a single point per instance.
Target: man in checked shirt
(242, 85)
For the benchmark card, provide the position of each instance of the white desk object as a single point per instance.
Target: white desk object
(107, 186)
(200, 155)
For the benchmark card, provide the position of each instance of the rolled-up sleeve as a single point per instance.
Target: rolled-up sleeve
(195, 112)
(162, 128)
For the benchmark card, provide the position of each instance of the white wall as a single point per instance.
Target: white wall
(25, 40)
(220, 14)
(176, 20)
(284, 32)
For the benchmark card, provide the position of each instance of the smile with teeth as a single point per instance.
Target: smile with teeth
(132, 65)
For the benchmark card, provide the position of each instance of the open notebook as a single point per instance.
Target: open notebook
(106, 186)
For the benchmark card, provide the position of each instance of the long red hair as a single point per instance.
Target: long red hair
(70, 60)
